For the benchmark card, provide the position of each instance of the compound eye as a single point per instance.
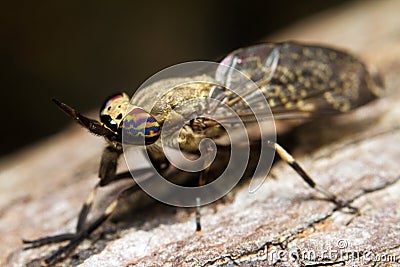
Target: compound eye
(140, 127)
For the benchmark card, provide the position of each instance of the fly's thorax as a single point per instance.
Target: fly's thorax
(179, 105)
(187, 139)
(176, 107)
(181, 99)
(158, 97)
(177, 130)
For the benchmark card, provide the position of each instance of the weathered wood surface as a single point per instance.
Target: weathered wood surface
(356, 156)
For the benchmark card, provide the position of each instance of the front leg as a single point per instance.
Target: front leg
(64, 251)
(107, 173)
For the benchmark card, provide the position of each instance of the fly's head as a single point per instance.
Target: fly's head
(119, 122)
(133, 125)
(114, 110)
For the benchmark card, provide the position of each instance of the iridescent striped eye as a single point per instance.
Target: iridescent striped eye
(140, 127)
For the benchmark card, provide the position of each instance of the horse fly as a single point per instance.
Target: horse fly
(298, 81)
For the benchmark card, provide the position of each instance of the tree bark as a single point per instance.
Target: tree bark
(283, 224)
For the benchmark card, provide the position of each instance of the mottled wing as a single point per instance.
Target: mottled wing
(241, 73)
(302, 80)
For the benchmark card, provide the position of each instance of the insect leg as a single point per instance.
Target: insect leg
(67, 236)
(198, 215)
(86, 232)
(107, 174)
(284, 155)
(81, 219)
(47, 240)
(108, 168)
(90, 199)
(202, 181)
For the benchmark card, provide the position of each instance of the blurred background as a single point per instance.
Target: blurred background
(83, 51)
